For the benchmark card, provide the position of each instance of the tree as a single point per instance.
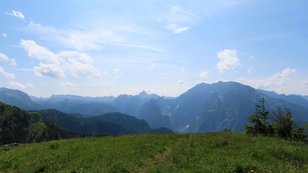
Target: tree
(259, 121)
(282, 126)
(285, 127)
(37, 132)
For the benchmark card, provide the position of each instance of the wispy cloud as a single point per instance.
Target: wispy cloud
(178, 9)
(82, 40)
(5, 58)
(142, 47)
(4, 34)
(176, 29)
(96, 38)
(18, 85)
(228, 60)
(5, 74)
(57, 64)
(17, 14)
(177, 19)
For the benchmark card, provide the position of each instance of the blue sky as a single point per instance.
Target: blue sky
(107, 47)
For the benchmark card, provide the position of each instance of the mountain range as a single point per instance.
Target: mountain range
(203, 108)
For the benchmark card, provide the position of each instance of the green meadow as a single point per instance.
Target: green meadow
(208, 152)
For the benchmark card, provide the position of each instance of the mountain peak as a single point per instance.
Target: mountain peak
(143, 93)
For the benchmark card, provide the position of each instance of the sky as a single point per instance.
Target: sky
(111, 47)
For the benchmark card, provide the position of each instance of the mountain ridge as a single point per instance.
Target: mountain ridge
(202, 108)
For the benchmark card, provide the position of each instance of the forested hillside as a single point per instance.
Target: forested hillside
(18, 126)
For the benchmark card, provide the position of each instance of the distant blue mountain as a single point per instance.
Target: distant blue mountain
(150, 112)
(17, 98)
(78, 105)
(203, 108)
(224, 105)
(296, 99)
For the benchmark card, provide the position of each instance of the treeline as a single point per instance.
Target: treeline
(277, 123)
(18, 126)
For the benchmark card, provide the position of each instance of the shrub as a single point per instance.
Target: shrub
(282, 126)
(285, 127)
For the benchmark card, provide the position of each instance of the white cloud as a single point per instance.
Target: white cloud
(283, 81)
(35, 26)
(57, 64)
(228, 60)
(4, 34)
(204, 75)
(17, 14)
(50, 70)
(38, 52)
(18, 85)
(278, 79)
(5, 58)
(82, 69)
(176, 29)
(6, 75)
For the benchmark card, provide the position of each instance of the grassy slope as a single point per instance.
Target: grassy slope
(212, 152)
